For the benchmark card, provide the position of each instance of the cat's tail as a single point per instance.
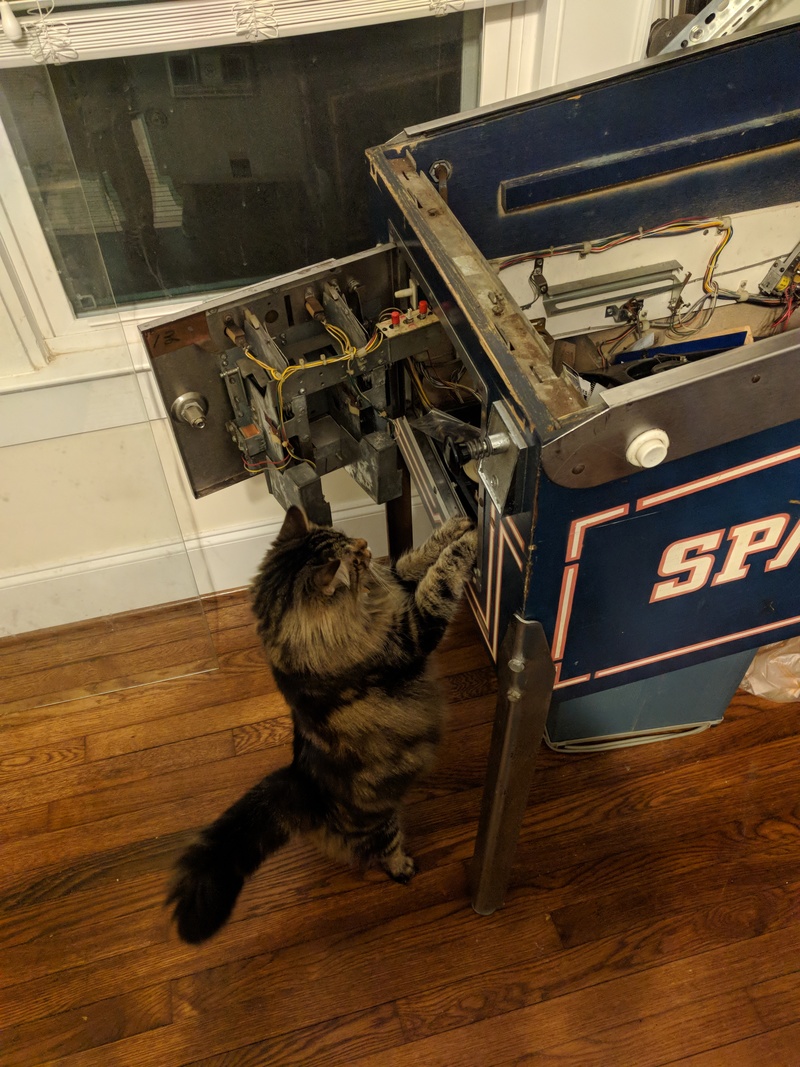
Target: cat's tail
(210, 874)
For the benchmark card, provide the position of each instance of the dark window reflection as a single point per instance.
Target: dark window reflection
(223, 166)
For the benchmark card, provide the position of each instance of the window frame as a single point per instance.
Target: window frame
(521, 44)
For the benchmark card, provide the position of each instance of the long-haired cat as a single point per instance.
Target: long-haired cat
(349, 643)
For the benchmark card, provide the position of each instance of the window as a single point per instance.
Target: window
(167, 153)
(222, 166)
(147, 172)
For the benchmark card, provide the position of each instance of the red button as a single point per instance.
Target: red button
(395, 318)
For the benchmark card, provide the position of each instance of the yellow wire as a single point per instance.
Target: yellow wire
(710, 286)
(413, 372)
(348, 352)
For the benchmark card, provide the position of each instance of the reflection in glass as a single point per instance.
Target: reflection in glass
(223, 166)
(89, 537)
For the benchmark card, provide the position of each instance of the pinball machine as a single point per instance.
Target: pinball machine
(578, 329)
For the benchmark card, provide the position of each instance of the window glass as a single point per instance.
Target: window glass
(223, 166)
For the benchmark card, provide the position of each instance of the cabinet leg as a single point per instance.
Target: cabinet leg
(525, 676)
(399, 531)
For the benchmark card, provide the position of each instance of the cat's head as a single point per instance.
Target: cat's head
(330, 561)
(313, 562)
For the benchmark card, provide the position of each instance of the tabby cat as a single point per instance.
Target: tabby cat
(349, 642)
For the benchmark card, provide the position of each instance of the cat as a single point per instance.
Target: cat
(349, 642)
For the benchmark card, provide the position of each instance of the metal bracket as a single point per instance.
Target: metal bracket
(717, 19)
(537, 282)
(497, 467)
(525, 677)
(602, 288)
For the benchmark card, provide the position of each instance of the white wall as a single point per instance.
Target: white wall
(103, 521)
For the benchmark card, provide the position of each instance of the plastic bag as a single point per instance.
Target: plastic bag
(775, 671)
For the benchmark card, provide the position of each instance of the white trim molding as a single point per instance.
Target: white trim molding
(139, 29)
(159, 574)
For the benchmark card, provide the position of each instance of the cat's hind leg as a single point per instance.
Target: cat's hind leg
(383, 846)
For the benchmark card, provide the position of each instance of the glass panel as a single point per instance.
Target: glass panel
(97, 591)
(223, 166)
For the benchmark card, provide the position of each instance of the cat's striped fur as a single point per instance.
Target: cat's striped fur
(349, 642)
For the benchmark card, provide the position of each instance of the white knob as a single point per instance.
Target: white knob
(648, 449)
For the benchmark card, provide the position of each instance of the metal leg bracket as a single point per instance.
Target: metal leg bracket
(525, 683)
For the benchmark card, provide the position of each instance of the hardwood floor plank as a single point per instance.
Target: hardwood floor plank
(713, 1021)
(723, 780)
(34, 761)
(29, 653)
(67, 915)
(459, 660)
(101, 673)
(240, 676)
(53, 884)
(749, 724)
(238, 638)
(776, 1048)
(59, 849)
(61, 950)
(104, 744)
(605, 993)
(213, 769)
(91, 1026)
(750, 904)
(23, 822)
(375, 963)
(777, 1000)
(474, 682)
(339, 1041)
(267, 733)
(543, 1034)
(372, 964)
(224, 611)
(169, 729)
(140, 765)
(658, 808)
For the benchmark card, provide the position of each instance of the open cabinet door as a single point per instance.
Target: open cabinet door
(293, 379)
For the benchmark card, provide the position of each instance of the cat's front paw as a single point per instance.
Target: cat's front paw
(454, 528)
(465, 549)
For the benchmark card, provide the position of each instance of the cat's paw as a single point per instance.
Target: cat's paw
(454, 528)
(203, 894)
(465, 549)
(402, 869)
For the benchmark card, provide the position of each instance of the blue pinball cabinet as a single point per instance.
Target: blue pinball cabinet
(578, 328)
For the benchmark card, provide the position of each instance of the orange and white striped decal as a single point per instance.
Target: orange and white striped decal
(575, 540)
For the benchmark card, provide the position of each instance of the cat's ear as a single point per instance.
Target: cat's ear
(294, 525)
(331, 575)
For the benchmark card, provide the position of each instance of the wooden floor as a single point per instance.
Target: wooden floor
(654, 916)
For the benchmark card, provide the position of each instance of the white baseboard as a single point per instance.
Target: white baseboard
(160, 574)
